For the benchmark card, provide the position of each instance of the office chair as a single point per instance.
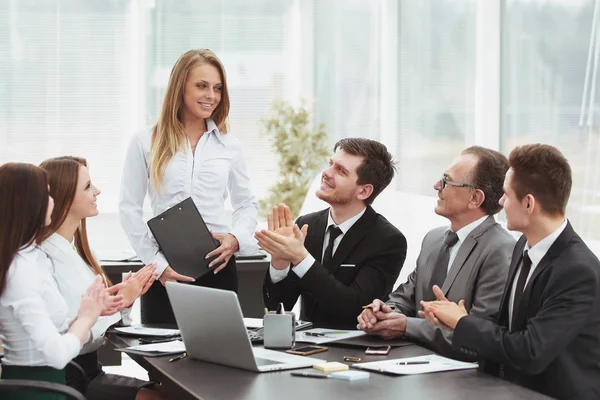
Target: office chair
(80, 384)
(41, 386)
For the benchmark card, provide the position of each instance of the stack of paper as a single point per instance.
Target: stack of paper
(138, 330)
(173, 347)
(416, 365)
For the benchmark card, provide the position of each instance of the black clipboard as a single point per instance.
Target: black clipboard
(184, 239)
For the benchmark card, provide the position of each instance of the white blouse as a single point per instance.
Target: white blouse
(34, 316)
(216, 169)
(73, 276)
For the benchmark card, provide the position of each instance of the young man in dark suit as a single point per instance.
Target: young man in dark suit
(469, 259)
(343, 256)
(546, 335)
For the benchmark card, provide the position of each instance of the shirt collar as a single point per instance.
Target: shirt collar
(211, 127)
(537, 252)
(465, 231)
(60, 242)
(347, 224)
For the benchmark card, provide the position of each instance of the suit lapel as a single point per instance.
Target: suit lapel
(464, 251)
(459, 261)
(516, 260)
(316, 233)
(553, 252)
(351, 239)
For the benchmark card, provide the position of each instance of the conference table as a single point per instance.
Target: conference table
(193, 379)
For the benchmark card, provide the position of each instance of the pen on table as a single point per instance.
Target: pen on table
(371, 306)
(157, 340)
(412, 362)
(317, 334)
(179, 357)
(309, 375)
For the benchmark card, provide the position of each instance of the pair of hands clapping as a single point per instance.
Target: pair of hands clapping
(380, 319)
(283, 239)
(99, 300)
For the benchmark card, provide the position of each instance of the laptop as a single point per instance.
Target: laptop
(212, 329)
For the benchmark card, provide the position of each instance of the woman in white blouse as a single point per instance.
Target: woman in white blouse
(188, 153)
(38, 336)
(66, 243)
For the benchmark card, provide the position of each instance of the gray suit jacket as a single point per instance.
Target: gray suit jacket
(477, 276)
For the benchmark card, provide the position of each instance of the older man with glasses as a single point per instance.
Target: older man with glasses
(466, 261)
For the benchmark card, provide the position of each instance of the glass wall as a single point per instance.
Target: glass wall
(545, 54)
(80, 77)
(435, 88)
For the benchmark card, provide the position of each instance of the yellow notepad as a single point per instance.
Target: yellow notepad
(331, 366)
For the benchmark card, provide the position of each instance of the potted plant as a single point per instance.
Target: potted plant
(301, 151)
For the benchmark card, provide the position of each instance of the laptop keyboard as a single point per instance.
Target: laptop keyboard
(263, 361)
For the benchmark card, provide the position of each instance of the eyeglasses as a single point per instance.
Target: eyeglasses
(446, 182)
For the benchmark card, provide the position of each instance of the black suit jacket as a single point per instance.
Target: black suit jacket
(554, 346)
(372, 253)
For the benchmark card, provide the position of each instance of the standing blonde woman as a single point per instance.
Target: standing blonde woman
(188, 153)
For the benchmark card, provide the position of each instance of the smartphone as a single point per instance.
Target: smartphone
(307, 350)
(378, 350)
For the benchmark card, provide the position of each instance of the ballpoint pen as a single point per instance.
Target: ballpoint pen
(317, 334)
(309, 375)
(371, 306)
(412, 362)
(179, 357)
(147, 340)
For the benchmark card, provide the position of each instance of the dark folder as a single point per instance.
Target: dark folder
(184, 238)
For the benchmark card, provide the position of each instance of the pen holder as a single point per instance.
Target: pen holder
(279, 330)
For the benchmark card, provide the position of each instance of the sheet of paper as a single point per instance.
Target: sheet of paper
(142, 331)
(322, 335)
(253, 323)
(434, 363)
(176, 346)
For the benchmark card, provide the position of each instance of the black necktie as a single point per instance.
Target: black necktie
(441, 265)
(525, 268)
(334, 232)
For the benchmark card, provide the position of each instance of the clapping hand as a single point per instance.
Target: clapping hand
(137, 284)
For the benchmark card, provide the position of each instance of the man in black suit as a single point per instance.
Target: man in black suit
(343, 256)
(546, 335)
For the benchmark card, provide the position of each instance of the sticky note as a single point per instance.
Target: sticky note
(331, 366)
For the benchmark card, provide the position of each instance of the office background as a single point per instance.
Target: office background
(427, 78)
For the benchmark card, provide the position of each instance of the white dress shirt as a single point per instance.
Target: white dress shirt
(535, 253)
(302, 268)
(216, 169)
(462, 234)
(33, 314)
(73, 276)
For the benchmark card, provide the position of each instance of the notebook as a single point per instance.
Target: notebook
(184, 238)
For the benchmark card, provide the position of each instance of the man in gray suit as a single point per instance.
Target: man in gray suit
(469, 260)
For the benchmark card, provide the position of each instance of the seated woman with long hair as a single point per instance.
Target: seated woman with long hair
(66, 243)
(38, 336)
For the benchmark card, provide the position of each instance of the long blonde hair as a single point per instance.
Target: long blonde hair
(168, 135)
(63, 174)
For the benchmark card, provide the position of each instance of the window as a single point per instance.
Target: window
(543, 82)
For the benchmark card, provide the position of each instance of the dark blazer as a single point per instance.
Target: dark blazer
(477, 276)
(364, 266)
(554, 347)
